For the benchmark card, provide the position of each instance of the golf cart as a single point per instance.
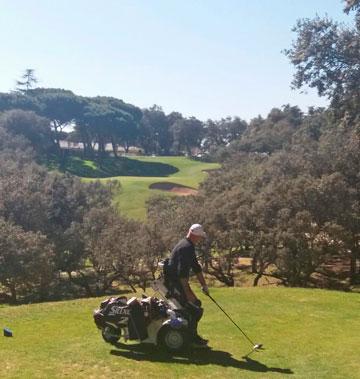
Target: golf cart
(162, 322)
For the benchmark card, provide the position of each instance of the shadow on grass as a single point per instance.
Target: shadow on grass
(143, 352)
(110, 166)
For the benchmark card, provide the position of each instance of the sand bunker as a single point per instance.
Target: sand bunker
(179, 189)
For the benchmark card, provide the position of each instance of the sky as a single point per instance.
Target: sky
(203, 58)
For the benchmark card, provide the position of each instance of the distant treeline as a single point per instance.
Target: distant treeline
(45, 116)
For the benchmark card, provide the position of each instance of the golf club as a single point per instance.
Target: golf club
(256, 346)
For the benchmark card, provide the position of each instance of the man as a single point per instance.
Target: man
(182, 260)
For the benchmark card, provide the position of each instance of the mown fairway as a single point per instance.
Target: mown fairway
(306, 333)
(135, 189)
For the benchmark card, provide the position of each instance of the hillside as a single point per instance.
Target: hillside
(306, 333)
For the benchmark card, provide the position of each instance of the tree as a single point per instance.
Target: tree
(60, 106)
(106, 119)
(14, 148)
(34, 128)
(326, 55)
(16, 100)
(53, 204)
(291, 211)
(222, 132)
(352, 5)
(25, 261)
(28, 81)
(155, 135)
(270, 134)
(119, 250)
(125, 130)
(187, 134)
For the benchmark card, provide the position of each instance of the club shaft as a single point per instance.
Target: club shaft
(252, 343)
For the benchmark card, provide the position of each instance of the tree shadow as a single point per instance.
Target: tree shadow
(149, 353)
(107, 167)
(133, 167)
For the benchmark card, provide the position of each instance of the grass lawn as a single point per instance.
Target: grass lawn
(135, 189)
(307, 334)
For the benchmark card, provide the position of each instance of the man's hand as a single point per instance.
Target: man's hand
(205, 290)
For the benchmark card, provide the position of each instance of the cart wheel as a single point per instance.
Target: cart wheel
(173, 340)
(110, 334)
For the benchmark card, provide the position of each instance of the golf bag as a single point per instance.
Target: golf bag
(148, 320)
(131, 316)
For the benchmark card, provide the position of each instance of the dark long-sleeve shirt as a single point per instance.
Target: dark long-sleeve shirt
(183, 259)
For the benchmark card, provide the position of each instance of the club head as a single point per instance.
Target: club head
(256, 348)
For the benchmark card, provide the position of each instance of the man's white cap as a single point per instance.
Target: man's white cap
(197, 230)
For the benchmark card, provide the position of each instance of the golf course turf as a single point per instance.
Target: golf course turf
(136, 190)
(306, 334)
(140, 177)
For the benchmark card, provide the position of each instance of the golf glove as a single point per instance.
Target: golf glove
(205, 290)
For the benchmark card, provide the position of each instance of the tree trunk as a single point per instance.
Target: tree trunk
(82, 282)
(114, 146)
(13, 293)
(354, 273)
(227, 279)
(257, 278)
(56, 134)
(101, 148)
(254, 263)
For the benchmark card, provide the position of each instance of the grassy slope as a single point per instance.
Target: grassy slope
(307, 334)
(135, 189)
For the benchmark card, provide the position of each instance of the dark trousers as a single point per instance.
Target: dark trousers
(193, 311)
(196, 312)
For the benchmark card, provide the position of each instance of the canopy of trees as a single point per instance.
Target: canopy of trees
(287, 195)
(94, 123)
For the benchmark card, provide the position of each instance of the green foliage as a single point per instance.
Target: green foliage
(169, 134)
(287, 195)
(292, 211)
(60, 106)
(155, 133)
(107, 119)
(95, 122)
(222, 132)
(26, 260)
(271, 134)
(121, 249)
(187, 133)
(11, 101)
(325, 55)
(28, 124)
(28, 81)
(36, 205)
